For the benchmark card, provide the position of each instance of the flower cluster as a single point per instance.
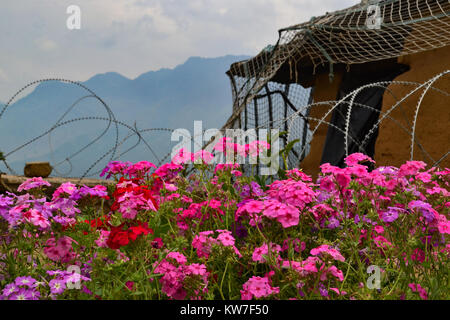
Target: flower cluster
(180, 280)
(216, 232)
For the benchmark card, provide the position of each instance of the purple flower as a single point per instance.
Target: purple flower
(245, 193)
(86, 290)
(22, 294)
(57, 286)
(323, 291)
(425, 209)
(33, 183)
(35, 295)
(5, 202)
(391, 214)
(240, 230)
(26, 281)
(368, 221)
(257, 191)
(10, 289)
(333, 223)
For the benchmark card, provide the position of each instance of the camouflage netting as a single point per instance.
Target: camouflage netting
(270, 87)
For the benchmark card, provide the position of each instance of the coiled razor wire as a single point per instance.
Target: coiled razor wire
(110, 119)
(349, 100)
(285, 122)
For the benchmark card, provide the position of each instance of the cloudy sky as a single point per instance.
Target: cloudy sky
(135, 36)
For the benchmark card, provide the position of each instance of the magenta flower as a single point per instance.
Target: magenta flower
(57, 286)
(22, 294)
(411, 168)
(417, 288)
(33, 183)
(178, 257)
(391, 214)
(26, 281)
(355, 158)
(425, 209)
(258, 287)
(226, 238)
(335, 254)
(114, 168)
(10, 289)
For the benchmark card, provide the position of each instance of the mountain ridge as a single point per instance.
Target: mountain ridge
(197, 89)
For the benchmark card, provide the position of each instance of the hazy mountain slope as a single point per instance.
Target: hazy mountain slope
(169, 98)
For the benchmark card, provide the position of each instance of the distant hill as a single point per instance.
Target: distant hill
(168, 98)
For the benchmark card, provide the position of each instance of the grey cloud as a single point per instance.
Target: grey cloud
(134, 36)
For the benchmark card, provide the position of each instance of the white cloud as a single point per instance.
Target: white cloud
(135, 36)
(45, 44)
(3, 76)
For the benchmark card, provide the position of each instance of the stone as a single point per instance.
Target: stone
(37, 169)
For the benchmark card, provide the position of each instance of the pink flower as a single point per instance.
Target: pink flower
(343, 180)
(226, 239)
(255, 148)
(411, 168)
(139, 169)
(253, 206)
(258, 287)
(197, 269)
(36, 218)
(381, 242)
(343, 293)
(130, 285)
(285, 214)
(203, 156)
(336, 272)
(61, 250)
(379, 229)
(417, 288)
(67, 188)
(182, 157)
(178, 257)
(355, 158)
(327, 249)
(443, 224)
(33, 183)
(115, 167)
(260, 252)
(101, 241)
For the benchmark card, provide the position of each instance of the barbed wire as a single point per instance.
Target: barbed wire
(61, 121)
(284, 122)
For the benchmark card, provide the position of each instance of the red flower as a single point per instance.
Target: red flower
(142, 228)
(129, 285)
(117, 238)
(157, 243)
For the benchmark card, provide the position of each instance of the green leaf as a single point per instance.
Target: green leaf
(289, 146)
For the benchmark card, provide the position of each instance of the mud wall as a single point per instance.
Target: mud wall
(394, 140)
(323, 91)
(393, 145)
